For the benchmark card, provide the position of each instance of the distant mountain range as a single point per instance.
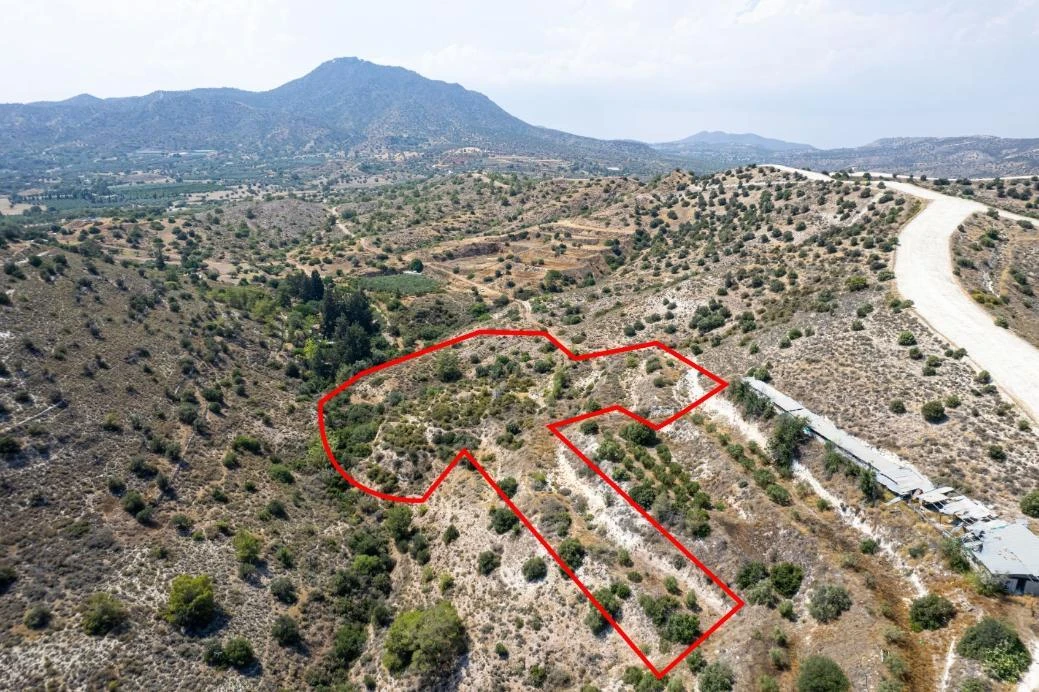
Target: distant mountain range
(724, 149)
(353, 106)
(345, 104)
(974, 156)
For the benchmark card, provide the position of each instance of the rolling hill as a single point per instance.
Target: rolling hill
(972, 156)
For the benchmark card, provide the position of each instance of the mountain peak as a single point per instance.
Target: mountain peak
(747, 139)
(344, 104)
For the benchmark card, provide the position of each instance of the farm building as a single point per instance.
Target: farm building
(893, 473)
(1009, 552)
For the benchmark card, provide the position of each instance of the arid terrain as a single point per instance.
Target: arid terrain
(161, 371)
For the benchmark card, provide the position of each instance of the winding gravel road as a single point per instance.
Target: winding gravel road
(923, 274)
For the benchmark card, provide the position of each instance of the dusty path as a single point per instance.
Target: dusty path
(923, 274)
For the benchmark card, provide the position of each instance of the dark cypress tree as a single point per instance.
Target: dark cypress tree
(317, 287)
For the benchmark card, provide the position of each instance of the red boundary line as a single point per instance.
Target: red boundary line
(554, 427)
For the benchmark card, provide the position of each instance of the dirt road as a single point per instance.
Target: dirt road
(923, 274)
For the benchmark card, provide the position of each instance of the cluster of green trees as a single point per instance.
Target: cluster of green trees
(359, 595)
(655, 481)
(766, 586)
(299, 286)
(426, 642)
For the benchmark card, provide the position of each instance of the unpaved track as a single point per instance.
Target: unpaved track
(923, 274)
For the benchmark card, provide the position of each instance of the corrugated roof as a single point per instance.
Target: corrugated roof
(896, 475)
(1008, 549)
(949, 501)
(1004, 549)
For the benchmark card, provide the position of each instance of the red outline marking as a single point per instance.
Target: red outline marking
(555, 427)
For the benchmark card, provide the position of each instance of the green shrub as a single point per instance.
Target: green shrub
(954, 555)
(640, 434)
(572, 553)
(103, 613)
(246, 547)
(779, 495)
(536, 676)
(906, 339)
(717, 677)
(426, 642)
(786, 578)
(821, 674)
(595, 620)
(245, 443)
(750, 574)
(191, 604)
(682, 628)
(182, 523)
(829, 602)
(133, 502)
(450, 535)
(9, 446)
(283, 589)
(238, 652)
(213, 655)
(766, 683)
(509, 486)
(7, 577)
(1030, 504)
(933, 411)
(897, 406)
(348, 644)
(503, 520)
(931, 612)
(37, 617)
(285, 631)
(857, 283)
(282, 474)
(534, 569)
(998, 647)
(447, 367)
(787, 437)
(487, 562)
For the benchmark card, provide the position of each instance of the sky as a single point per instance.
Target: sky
(824, 72)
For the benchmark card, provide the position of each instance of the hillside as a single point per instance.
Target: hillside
(175, 520)
(345, 105)
(972, 157)
(969, 156)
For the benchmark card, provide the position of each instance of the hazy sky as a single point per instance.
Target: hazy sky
(826, 72)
